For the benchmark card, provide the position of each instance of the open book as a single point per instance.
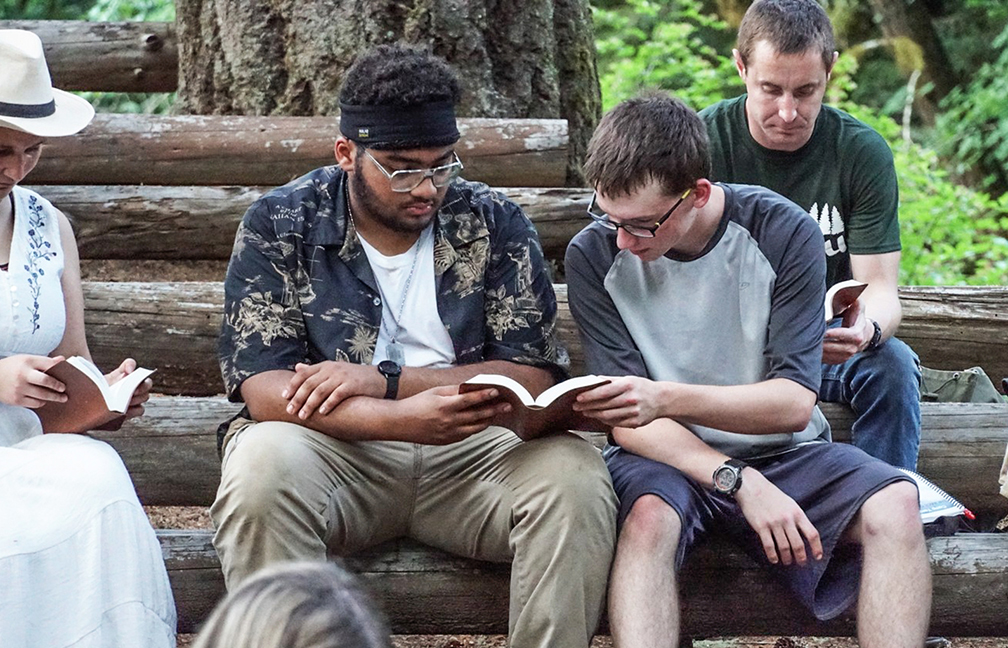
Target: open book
(841, 296)
(934, 502)
(91, 401)
(550, 411)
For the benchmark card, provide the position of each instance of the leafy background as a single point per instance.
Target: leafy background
(952, 165)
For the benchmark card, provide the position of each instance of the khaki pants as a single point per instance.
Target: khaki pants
(547, 506)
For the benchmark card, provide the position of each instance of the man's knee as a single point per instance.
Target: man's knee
(567, 495)
(894, 363)
(259, 464)
(652, 524)
(892, 514)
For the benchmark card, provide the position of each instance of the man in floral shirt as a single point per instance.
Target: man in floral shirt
(357, 299)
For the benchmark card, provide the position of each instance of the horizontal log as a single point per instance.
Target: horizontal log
(171, 327)
(146, 319)
(107, 56)
(956, 327)
(172, 457)
(194, 222)
(424, 591)
(270, 151)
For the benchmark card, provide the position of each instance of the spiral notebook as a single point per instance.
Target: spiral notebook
(936, 503)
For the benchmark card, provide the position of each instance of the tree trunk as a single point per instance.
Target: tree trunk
(531, 58)
(902, 19)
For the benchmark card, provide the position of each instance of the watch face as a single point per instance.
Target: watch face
(725, 478)
(389, 368)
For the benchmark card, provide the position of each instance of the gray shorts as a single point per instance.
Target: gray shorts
(829, 481)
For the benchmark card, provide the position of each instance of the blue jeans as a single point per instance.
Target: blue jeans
(883, 389)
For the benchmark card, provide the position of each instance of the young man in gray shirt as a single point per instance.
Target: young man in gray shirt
(708, 300)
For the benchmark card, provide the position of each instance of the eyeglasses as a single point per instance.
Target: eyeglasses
(406, 180)
(642, 231)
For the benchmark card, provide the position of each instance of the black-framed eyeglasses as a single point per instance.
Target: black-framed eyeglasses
(642, 231)
(406, 180)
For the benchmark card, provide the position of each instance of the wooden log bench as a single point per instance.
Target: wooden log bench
(172, 189)
(172, 457)
(173, 326)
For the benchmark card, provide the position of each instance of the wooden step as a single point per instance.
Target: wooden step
(196, 222)
(120, 149)
(171, 451)
(425, 591)
(174, 326)
(107, 56)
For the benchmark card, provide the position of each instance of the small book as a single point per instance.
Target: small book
(934, 502)
(842, 296)
(550, 411)
(91, 401)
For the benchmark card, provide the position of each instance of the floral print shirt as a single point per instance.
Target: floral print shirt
(299, 287)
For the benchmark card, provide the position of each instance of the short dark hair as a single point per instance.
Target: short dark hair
(655, 137)
(790, 26)
(399, 75)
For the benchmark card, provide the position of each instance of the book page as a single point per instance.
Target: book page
(934, 502)
(485, 381)
(551, 411)
(90, 370)
(841, 296)
(118, 395)
(580, 383)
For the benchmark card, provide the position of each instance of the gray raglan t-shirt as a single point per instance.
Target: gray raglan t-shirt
(748, 308)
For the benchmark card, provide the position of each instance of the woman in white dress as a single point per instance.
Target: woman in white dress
(79, 563)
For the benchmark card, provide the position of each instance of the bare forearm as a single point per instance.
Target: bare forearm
(417, 379)
(358, 418)
(669, 442)
(883, 306)
(769, 407)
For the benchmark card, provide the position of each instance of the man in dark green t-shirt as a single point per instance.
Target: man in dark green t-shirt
(779, 135)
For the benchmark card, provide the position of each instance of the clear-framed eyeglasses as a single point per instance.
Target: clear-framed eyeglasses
(642, 231)
(406, 180)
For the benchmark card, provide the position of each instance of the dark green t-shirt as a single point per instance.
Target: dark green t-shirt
(843, 177)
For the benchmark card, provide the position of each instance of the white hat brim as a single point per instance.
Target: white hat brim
(72, 114)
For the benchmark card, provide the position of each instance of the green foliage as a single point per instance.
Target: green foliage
(138, 10)
(43, 9)
(974, 122)
(647, 44)
(951, 234)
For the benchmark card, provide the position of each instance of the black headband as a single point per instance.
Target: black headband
(387, 127)
(27, 110)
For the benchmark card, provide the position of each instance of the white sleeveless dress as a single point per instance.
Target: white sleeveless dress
(79, 563)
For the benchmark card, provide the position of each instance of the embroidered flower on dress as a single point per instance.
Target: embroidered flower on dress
(39, 249)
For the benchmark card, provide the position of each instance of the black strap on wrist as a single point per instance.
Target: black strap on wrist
(876, 339)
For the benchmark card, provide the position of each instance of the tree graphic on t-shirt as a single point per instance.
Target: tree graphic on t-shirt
(832, 227)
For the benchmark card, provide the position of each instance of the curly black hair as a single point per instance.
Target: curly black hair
(399, 75)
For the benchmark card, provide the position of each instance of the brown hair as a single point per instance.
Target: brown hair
(790, 26)
(655, 137)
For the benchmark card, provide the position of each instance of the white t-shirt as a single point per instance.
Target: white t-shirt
(425, 340)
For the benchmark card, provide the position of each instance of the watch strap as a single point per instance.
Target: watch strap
(391, 386)
(391, 371)
(876, 340)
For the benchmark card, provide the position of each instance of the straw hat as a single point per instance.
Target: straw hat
(28, 102)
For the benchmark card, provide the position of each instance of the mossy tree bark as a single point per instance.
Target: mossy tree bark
(515, 58)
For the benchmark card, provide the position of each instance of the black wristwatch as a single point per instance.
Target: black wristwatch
(728, 477)
(876, 338)
(391, 371)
